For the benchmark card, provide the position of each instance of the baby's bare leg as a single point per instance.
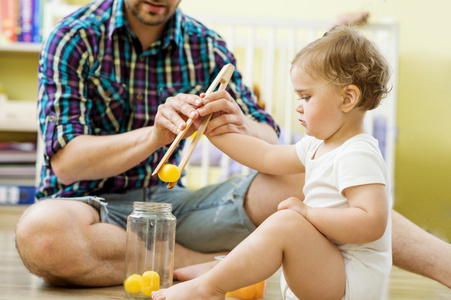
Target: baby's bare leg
(287, 239)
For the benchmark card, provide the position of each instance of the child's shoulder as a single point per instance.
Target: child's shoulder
(363, 140)
(361, 144)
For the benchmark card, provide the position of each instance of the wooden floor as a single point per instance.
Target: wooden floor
(17, 283)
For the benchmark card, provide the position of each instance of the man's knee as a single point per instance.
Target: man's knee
(36, 237)
(41, 239)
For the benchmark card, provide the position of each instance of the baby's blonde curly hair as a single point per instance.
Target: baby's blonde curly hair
(343, 56)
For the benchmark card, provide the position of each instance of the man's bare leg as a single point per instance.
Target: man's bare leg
(418, 251)
(352, 18)
(185, 257)
(193, 271)
(64, 242)
(267, 191)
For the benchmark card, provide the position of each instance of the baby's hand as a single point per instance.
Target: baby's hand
(295, 204)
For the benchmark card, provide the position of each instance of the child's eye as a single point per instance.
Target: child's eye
(305, 98)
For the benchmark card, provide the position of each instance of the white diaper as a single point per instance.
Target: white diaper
(362, 282)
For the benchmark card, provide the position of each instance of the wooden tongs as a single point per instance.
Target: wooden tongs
(222, 78)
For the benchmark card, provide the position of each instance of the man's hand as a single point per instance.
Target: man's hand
(172, 116)
(227, 115)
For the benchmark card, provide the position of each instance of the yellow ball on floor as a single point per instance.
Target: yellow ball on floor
(133, 283)
(150, 282)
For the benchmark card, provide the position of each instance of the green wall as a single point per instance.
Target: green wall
(19, 74)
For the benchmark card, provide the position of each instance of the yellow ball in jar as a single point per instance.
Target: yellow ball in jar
(150, 282)
(133, 283)
(169, 173)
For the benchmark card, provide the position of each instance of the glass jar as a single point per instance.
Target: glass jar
(149, 251)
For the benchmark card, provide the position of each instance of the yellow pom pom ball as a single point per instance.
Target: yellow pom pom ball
(133, 283)
(150, 282)
(169, 173)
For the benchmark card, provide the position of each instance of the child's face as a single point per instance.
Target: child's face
(319, 104)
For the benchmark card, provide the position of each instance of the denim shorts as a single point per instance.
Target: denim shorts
(210, 219)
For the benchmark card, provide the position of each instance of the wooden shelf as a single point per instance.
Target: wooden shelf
(21, 47)
(18, 116)
(18, 126)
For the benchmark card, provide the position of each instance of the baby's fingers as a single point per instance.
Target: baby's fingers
(289, 203)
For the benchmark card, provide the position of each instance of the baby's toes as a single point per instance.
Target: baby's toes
(158, 295)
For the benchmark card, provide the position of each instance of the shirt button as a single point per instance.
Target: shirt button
(51, 118)
(139, 96)
(99, 18)
(108, 93)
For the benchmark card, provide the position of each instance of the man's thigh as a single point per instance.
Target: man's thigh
(211, 219)
(61, 211)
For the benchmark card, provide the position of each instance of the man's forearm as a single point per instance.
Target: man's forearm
(263, 131)
(93, 157)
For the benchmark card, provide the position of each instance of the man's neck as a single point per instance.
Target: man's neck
(146, 34)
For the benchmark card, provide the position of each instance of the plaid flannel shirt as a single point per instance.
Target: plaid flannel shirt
(95, 79)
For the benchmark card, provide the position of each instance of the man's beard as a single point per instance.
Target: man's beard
(156, 19)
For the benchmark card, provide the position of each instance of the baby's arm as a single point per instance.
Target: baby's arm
(258, 154)
(363, 222)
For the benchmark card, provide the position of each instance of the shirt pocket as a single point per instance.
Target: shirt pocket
(110, 105)
(171, 90)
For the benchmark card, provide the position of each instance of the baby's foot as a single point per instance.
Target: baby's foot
(193, 289)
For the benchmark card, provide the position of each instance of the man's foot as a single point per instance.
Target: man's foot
(194, 271)
(193, 289)
(185, 257)
(353, 18)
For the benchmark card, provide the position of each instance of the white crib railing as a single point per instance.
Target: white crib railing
(264, 50)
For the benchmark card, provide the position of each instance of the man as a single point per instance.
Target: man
(109, 77)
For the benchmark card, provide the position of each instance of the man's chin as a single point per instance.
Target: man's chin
(153, 19)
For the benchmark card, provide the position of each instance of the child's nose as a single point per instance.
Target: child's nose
(300, 107)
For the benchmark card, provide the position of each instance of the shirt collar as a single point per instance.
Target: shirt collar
(118, 17)
(173, 33)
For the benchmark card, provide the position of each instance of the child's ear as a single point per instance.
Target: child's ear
(351, 98)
